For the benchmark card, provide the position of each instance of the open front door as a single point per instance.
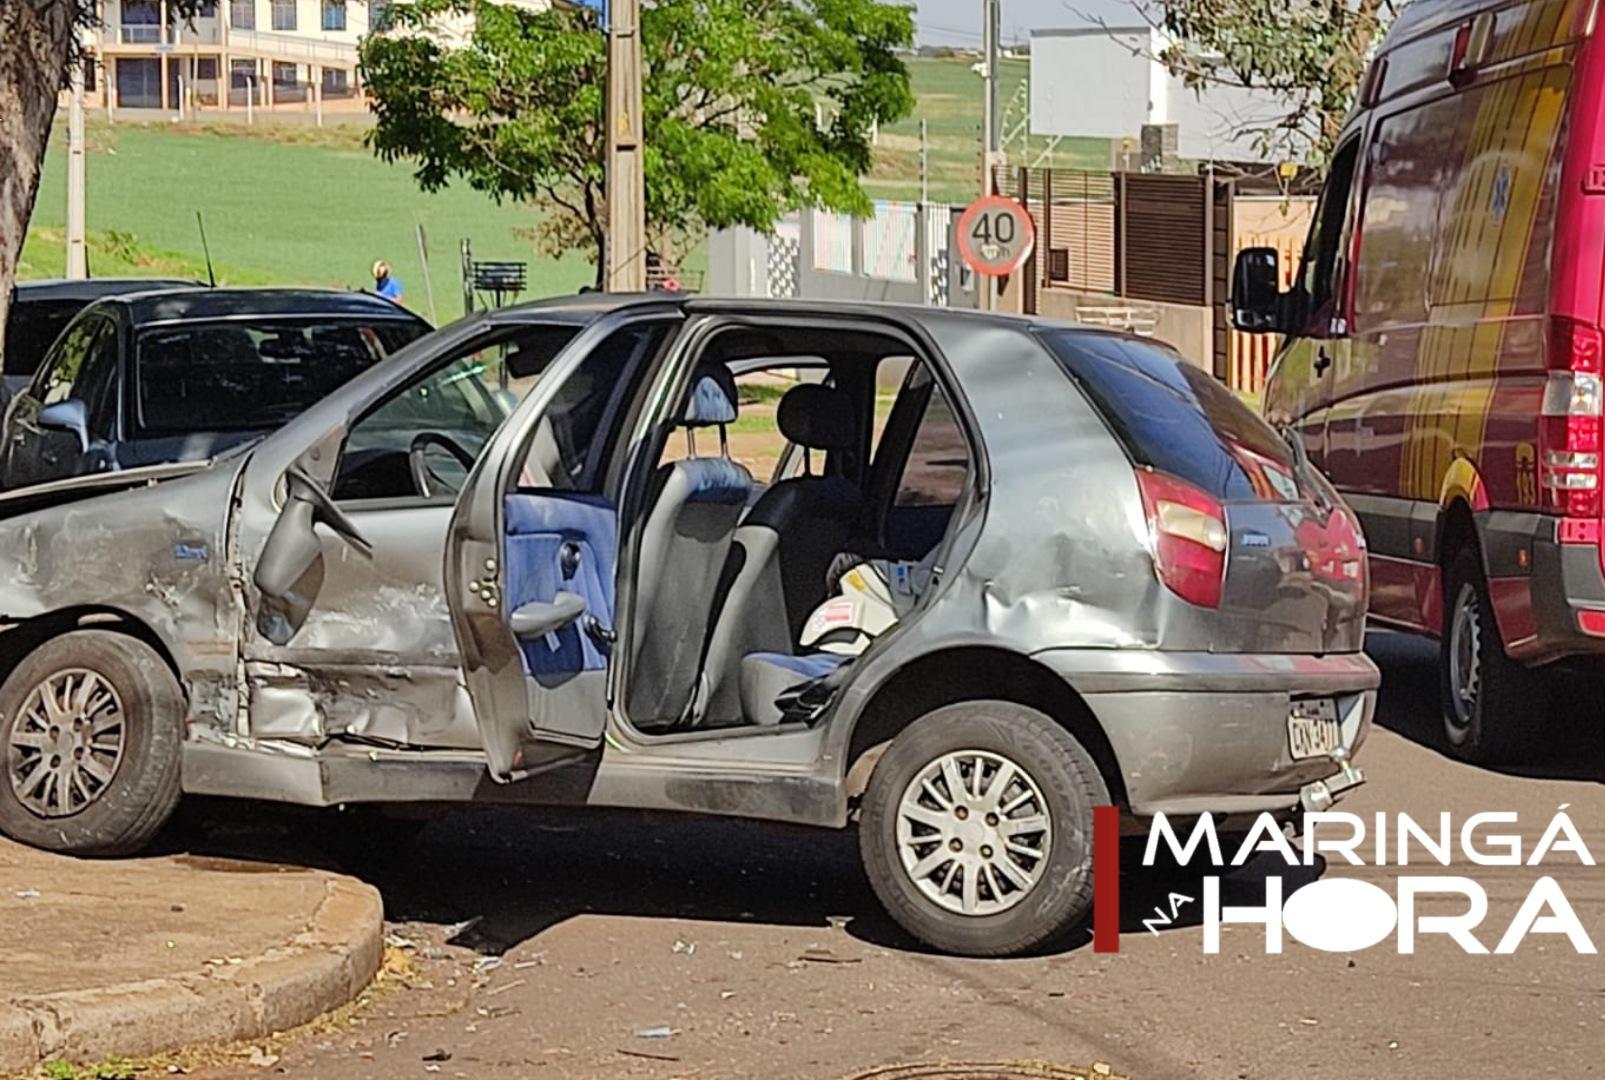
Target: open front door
(532, 551)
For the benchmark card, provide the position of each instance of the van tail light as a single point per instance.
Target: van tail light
(1187, 530)
(1571, 433)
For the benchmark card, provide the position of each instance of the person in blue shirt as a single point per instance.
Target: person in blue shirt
(384, 284)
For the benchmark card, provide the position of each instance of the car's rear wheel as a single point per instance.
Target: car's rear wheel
(976, 831)
(91, 724)
(1494, 709)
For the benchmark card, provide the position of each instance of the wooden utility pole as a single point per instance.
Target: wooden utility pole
(625, 248)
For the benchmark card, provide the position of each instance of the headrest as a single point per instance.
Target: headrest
(713, 398)
(818, 417)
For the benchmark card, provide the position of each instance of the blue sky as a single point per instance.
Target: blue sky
(958, 22)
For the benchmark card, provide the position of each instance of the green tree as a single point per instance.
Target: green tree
(752, 107)
(1312, 52)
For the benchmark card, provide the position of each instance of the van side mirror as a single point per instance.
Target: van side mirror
(70, 416)
(1257, 292)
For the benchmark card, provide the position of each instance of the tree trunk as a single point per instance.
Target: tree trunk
(33, 66)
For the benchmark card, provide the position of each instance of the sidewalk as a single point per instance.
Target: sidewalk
(131, 957)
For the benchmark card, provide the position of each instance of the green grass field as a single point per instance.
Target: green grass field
(279, 206)
(947, 95)
(290, 203)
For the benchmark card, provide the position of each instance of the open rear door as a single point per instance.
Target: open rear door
(532, 551)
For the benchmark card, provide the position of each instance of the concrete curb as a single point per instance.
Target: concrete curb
(321, 968)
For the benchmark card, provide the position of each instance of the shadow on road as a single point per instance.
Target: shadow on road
(1408, 705)
(510, 873)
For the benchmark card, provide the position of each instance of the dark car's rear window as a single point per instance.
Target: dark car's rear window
(31, 328)
(247, 375)
(1177, 419)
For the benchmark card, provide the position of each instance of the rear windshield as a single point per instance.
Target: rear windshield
(1177, 419)
(31, 328)
(243, 376)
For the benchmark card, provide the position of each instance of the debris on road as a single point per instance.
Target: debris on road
(662, 1031)
(650, 1057)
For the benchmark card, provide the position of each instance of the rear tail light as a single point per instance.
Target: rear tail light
(1571, 432)
(1188, 535)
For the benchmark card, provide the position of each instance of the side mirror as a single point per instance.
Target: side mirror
(293, 545)
(69, 416)
(1256, 291)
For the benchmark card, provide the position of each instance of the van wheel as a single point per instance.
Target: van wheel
(977, 829)
(1493, 707)
(90, 731)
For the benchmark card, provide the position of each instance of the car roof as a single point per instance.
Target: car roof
(586, 306)
(176, 305)
(85, 290)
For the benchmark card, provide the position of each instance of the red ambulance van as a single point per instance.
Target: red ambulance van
(1443, 358)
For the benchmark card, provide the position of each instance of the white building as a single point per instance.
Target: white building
(270, 51)
(1108, 82)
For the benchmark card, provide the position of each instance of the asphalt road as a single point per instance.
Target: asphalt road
(566, 945)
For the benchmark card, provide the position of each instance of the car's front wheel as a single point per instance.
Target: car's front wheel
(976, 830)
(91, 724)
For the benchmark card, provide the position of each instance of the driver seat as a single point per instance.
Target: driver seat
(784, 547)
(695, 505)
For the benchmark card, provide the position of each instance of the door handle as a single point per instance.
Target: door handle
(1323, 360)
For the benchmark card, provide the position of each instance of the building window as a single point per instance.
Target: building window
(334, 14)
(336, 83)
(242, 14)
(141, 22)
(286, 74)
(284, 14)
(206, 67)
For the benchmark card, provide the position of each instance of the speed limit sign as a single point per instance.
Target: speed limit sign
(995, 235)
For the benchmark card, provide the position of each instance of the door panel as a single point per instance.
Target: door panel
(559, 543)
(363, 621)
(536, 527)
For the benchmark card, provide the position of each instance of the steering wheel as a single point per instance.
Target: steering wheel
(425, 478)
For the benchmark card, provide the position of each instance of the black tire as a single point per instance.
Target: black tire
(125, 812)
(1495, 710)
(1059, 901)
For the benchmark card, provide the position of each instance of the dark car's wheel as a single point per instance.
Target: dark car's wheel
(1494, 709)
(977, 829)
(90, 730)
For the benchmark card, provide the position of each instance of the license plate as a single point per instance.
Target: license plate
(1313, 729)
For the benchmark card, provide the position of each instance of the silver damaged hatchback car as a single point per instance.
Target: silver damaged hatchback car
(985, 575)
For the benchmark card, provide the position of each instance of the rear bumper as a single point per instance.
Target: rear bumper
(1538, 606)
(1205, 732)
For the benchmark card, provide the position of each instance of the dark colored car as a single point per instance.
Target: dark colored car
(1122, 588)
(41, 310)
(145, 378)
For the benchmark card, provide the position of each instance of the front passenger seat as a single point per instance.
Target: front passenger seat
(695, 506)
(785, 546)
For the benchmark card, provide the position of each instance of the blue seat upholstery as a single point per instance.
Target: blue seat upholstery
(695, 506)
(765, 676)
(536, 528)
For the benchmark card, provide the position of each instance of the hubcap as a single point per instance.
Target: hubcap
(66, 743)
(1465, 641)
(974, 832)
